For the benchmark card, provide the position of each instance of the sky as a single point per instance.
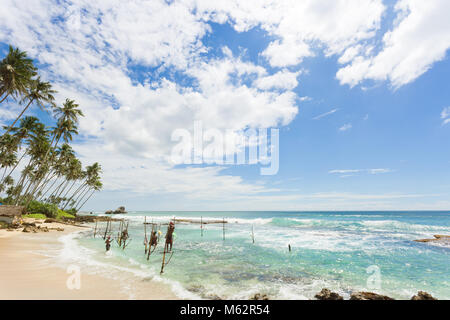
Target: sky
(358, 90)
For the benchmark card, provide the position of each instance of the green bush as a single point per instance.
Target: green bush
(72, 211)
(35, 216)
(49, 210)
(62, 214)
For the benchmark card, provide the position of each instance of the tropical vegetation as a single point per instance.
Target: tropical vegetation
(38, 167)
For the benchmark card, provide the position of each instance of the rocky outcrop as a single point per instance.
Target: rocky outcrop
(30, 228)
(437, 238)
(326, 294)
(368, 296)
(90, 219)
(56, 229)
(422, 295)
(260, 296)
(119, 210)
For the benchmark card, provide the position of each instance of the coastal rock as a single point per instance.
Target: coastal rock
(34, 229)
(260, 296)
(326, 294)
(437, 238)
(368, 296)
(56, 229)
(422, 295)
(29, 229)
(120, 210)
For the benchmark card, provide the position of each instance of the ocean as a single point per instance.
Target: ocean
(342, 251)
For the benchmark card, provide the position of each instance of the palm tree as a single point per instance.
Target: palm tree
(92, 175)
(16, 71)
(22, 134)
(39, 92)
(96, 187)
(69, 111)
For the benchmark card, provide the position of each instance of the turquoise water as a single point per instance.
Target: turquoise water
(343, 251)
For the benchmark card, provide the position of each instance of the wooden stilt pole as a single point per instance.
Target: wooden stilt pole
(145, 232)
(95, 229)
(163, 260)
(253, 235)
(125, 240)
(106, 230)
(150, 244)
(201, 225)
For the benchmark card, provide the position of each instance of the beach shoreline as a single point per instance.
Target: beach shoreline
(28, 272)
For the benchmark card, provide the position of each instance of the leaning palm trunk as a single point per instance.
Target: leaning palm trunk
(15, 166)
(76, 191)
(57, 189)
(51, 186)
(67, 202)
(63, 188)
(46, 154)
(77, 209)
(68, 190)
(4, 98)
(82, 197)
(81, 194)
(20, 115)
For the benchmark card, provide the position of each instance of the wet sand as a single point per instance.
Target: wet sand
(26, 272)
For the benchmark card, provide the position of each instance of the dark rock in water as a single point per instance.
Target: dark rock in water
(422, 295)
(437, 238)
(368, 296)
(259, 296)
(120, 210)
(213, 297)
(326, 294)
(195, 288)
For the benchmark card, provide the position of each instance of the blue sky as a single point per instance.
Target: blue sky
(359, 91)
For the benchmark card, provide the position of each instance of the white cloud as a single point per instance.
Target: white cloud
(320, 116)
(348, 172)
(345, 127)
(91, 51)
(281, 80)
(419, 38)
(445, 115)
(90, 56)
(301, 26)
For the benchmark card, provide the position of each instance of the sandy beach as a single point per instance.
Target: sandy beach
(27, 272)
